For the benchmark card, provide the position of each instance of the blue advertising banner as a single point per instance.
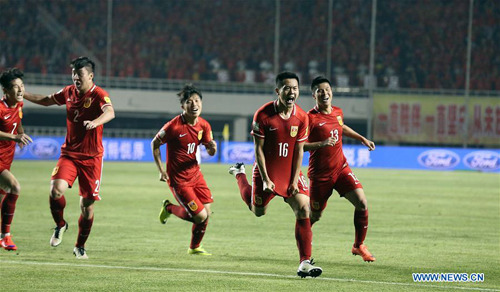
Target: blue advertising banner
(425, 158)
(115, 149)
(396, 157)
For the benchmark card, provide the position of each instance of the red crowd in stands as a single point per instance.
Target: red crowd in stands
(419, 44)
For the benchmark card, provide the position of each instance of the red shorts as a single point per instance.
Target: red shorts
(88, 171)
(193, 197)
(261, 198)
(322, 188)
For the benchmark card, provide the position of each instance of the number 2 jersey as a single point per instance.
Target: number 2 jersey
(281, 136)
(182, 143)
(326, 161)
(81, 143)
(10, 120)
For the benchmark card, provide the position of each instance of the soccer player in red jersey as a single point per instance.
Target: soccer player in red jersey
(88, 107)
(328, 168)
(280, 128)
(11, 132)
(182, 135)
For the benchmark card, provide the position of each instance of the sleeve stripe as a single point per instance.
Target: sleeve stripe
(105, 105)
(258, 135)
(303, 139)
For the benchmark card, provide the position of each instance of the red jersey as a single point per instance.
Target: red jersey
(326, 161)
(10, 119)
(81, 143)
(182, 143)
(280, 138)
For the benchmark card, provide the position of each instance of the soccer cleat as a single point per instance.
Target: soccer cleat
(307, 269)
(198, 251)
(164, 214)
(237, 169)
(57, 237)
(8, 244)
(362, 251)
(80, 253)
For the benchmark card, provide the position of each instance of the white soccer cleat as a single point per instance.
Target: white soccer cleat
(80, 253)
(237, 169)
(307, 269)
(57, 236)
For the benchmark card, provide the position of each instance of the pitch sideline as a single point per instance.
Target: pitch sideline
(242, 274)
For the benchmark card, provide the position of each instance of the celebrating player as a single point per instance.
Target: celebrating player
(328, 168)
(182, 135)
(88, 107)
(11, 131)
(280, 130)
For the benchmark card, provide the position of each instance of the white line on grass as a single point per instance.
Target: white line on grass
(241, 274)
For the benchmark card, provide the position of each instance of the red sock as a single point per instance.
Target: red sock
(361, 226)
(84, 227)
(245, 188)
(57, 210)
(8, 208)
(303, 235)
(179, 212)
(197, 233)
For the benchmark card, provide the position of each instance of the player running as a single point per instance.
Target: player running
(328, 168)
(88, 107)
(11, 132)
(182, 135)
(279, 131)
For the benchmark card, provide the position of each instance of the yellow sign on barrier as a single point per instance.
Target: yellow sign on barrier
(436, 119)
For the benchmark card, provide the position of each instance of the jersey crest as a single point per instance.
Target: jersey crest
(200, 134)
(20, 113)
(88, 102)
(339, 118)
(107, 99)
(294, 130)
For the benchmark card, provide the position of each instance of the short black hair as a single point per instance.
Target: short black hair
(187, 91)
(9, 75)
(81, 62)
(318, 80)
(285, 75)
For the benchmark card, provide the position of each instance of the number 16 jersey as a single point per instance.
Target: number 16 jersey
(280, 138)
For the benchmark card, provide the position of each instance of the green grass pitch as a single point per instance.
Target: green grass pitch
(420, 221)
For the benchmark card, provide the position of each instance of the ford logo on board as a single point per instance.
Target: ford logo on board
(439, 159)
(483, 160)
(240, 152)
(45, 148)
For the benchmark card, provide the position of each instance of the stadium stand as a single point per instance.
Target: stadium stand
(419, 44)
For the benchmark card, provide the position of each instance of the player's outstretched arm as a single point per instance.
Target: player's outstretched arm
(21, 138)
(355, 135)
(309, 146)
(108, 113)
(44, 100)
(211, 147)
(155, 147)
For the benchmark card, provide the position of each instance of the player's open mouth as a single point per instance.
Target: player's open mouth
(290, 100)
